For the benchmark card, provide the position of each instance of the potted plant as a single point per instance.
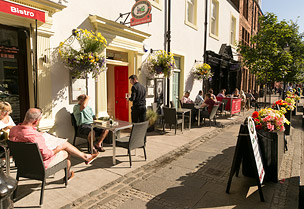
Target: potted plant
(202, 71)
(270, 129)
(287, 106)
(88, 58)
(152, 117)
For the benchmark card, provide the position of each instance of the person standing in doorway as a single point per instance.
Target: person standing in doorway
(138, 97)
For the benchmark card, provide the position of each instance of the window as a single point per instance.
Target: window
(191, 13)
(156, 3)
(245, 9)
(233, 31)
(214, 16)
(245, 37)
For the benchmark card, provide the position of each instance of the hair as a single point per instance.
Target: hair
(200, 92)
(222, 91)
(208, 95)
(5, 107)
(133, 77)
(210, 91)
(80, 97)
(33, 114)
(187, 92)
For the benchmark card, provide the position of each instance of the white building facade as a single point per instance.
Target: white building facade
(127, 48)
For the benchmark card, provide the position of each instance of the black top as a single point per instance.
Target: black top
(138, 95)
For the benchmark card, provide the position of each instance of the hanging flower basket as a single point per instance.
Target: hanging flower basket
(202, 71)
(159, 64)
(87, 59)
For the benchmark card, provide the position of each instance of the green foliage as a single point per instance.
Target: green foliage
(277, 51)
(151, 116)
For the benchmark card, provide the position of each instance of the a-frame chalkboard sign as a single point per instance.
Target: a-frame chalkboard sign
(248, 143)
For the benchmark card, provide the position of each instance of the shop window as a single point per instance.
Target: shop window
(191, 13)
(214, 18)
(233, 31)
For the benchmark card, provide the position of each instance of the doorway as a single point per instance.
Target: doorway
(121, 89)
(13, 70)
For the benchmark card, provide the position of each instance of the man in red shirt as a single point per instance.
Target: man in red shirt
(27, 132)
(208, 103)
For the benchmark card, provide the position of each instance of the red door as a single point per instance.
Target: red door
(121, 89)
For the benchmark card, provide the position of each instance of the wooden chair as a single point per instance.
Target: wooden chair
(135, 140)
(29, 163)
(170, 117)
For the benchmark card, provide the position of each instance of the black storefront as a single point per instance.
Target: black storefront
(227, 71)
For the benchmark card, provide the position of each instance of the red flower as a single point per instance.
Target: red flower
(259, 127)
(255, 114)
(256, 120)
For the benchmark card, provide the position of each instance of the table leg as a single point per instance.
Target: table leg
(199, 117)
(114, 147)
(92, 139)
(183, 116)
(7, 159)
(190, 121)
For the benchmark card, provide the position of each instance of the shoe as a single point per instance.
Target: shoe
(94, 156)
(99, 149)
(71, 176)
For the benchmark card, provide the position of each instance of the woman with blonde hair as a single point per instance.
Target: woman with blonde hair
(6, 122)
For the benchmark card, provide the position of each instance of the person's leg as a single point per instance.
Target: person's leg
(75, 152)
(142, 114)
(134, 114)
(102, 137)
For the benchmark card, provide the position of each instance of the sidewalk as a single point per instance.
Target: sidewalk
(188, 170)
(101, 174)
(196, 175)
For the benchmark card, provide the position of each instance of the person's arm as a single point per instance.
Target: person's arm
(85, 103)
(133, 94)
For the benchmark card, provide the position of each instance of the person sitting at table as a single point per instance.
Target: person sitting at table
(186, 99)
(6, 122)
(27, 132)
(243, 99)
(222, 93)
(251, 97)
(199, 98)
(84, 118)
(212, 95)
(236, 93)
(209, 103)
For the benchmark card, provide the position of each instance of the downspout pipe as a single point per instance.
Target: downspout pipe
(205, 41)
(169, 49)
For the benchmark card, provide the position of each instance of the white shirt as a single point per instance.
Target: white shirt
(10, 123)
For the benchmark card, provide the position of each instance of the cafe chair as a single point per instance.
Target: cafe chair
(170, 117)
(224, 104)
(193, 110)
(29, 163)
(212, 115)
(135, 140)
(76, 132)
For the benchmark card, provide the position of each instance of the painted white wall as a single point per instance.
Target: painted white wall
(225, 13)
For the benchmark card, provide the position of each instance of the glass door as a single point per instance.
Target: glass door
(13, 73)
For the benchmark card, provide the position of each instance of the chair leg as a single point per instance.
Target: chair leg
(175, 128)
(129, 152)
(65, 176)
(15, 192)
(145, 152)
(42, 192)
(209, 122)
(74, 141)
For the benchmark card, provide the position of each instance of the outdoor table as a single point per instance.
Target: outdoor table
(183, 111)
(114, 128)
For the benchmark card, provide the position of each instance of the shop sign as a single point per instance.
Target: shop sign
(141, 13)
(22, 11)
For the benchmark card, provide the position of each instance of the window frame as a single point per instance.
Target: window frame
(215, 36)
(234, 42)
(187, 22)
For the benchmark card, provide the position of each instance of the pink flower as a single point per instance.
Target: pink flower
(282, 128)
(270, 127)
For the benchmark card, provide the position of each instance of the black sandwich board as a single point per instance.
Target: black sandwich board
(248, 143)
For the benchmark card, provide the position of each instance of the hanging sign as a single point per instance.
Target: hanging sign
(22, 11)
(141, 13)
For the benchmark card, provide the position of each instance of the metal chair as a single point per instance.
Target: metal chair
(135, 140)
(29, 163)
(170, 117)
(76, 132)
(224, 103)
(212, 115)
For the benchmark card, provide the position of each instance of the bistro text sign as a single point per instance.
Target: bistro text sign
(22, 11)
(141, 13)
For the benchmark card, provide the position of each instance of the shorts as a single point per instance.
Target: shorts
(85, 129)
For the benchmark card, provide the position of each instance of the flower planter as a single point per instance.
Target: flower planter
(272, 150)
(287, 127)
(294, 112)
